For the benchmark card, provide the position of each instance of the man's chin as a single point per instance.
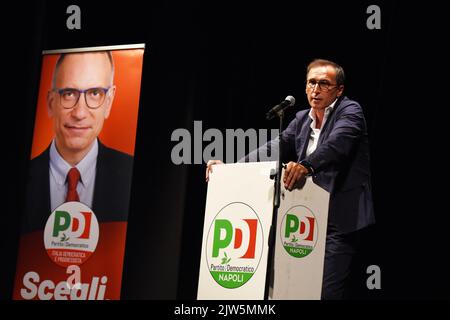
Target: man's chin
(316, 106)
(78, 145)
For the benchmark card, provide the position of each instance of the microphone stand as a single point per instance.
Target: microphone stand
(276, 206)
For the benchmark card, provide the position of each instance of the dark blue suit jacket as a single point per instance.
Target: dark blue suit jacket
(341, 161)
(111, 191)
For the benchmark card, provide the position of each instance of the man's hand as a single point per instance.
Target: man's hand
(294, 172)
(209, 167)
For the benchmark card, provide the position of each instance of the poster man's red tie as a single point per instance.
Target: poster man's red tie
(72, 181)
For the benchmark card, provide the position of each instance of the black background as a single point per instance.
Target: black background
(226, 64)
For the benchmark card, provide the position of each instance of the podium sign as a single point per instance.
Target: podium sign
(238, 216)
(300, 243)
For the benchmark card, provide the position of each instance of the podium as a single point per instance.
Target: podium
(238, 216)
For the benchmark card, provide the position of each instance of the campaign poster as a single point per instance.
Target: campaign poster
(73, 228)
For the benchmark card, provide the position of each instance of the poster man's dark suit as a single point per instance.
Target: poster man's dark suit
(111, 191)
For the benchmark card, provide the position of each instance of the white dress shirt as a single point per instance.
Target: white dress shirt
(58, 173)
(315, 133)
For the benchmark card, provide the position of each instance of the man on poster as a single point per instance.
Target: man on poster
(77, 166)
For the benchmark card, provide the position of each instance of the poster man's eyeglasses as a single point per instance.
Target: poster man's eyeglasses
(94, 97)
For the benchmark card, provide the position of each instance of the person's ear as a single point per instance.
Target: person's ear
(50, 103)
(340, 90)
(109, 100)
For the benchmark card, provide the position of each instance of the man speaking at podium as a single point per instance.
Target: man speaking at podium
(330, 143)
(77, 166)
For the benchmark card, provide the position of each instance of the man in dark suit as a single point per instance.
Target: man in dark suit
(77, 166)
(329, 142)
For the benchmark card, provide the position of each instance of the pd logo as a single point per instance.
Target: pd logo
(234, 245)
(299, 231)
(71, 234)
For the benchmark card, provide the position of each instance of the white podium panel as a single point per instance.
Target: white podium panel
(300, 243)
(238, 216)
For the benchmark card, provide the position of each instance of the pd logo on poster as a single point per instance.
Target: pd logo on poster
(71, 234)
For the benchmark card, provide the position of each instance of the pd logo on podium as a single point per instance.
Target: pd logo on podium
(71, 234)
(234, 245)
(299, 231)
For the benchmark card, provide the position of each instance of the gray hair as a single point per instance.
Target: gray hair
(63, 55)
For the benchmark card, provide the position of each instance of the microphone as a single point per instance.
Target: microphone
(289, 101)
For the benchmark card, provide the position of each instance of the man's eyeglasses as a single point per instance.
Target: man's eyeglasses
(324, 85)
(94, 97)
